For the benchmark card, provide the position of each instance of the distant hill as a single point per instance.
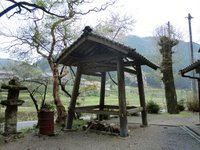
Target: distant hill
(7, 62)
(146, 46)
(43, 65)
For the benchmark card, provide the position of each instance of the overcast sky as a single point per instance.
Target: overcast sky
(150, 14)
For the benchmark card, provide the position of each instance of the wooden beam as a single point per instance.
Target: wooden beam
(134, 110)
(199, 96)
(92, 74)
(68, 51)
(117, 107)
(99, 65)
(122, 98)
(88, 107)
(130, 71)
(102, 94)
(129, 63)
(99, 69)
(99, 112)
(71, 109)
(131, 107)
(94, 58)
(112, 45)
(111, 107)
(94, 109)
(141, 94)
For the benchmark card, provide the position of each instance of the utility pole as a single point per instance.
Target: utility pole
(169, 29)
(194, 85)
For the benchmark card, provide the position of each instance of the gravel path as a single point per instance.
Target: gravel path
(153, 137)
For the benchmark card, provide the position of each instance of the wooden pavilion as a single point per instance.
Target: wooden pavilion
(185, 73)
(95, 55)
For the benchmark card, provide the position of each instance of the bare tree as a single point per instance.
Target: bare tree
(167, 39)
(49, 35)
(12, 7)
(116, 26)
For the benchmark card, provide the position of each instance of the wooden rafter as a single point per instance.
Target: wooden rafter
(96, 55)
(109, 44)
(99, 69)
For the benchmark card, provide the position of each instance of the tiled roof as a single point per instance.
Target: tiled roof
(190, 67)
(85, 44)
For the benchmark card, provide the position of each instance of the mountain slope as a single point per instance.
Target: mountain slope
(148, 47)
(7, 62)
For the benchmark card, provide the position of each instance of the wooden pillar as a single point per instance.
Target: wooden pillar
(199, 96)
(72, 105)
(141, 94)
(102, 94)
(122, 98)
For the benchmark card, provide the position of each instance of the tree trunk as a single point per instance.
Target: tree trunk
(61, 112)
(170, 91)
(167, 70)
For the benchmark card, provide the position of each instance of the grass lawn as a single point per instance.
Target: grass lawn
(28, 112)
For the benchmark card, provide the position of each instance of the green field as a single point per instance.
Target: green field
(28, 112)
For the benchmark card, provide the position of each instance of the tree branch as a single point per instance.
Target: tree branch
(24, 6)
(60, 82)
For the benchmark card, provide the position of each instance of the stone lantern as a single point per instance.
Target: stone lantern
(12, 104)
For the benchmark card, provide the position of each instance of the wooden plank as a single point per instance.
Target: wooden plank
(99, 69)
(92, 74)
(122, 98)
(141, 94)
(131, 107)
(105, 106)
(88, 107)
(70, 61)
(66, 52)
(130, 71)
(112, 45)
(117, 107)
(111, 107)
(99, 112)
(129, 63)
(71, 109)
(102, 94)
(199, 96)
(93, 58)
(134, 110)
(99, 65)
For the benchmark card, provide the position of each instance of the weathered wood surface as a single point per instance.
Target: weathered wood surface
(102, 94)
(131, 71)
(122, 98)
(134, 110)
(88, 107)
(98, 54)
(99, 112)
(94, 110)
(92, 74)
(141, 95)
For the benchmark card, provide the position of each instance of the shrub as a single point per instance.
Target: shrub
(193, 105)
(180, 105)
(153, 107)
(48, 107)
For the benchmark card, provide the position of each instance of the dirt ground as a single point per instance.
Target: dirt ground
(163, 133)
